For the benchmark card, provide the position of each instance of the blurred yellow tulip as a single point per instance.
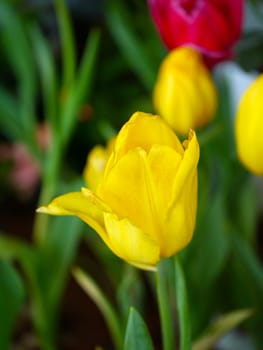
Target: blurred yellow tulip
(249, 127)
(95, 164)
(145, 205)
(184, 93)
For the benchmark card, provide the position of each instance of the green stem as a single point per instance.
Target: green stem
(50, 176)
(182, 306)
(166, 320)
(107, 310)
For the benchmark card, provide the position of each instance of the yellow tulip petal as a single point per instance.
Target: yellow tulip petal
(163, 163)
(188, 165)
(180, 221)
(144, 130)
(175, 100)
(208, 99)
(181, 214)
(130, 243)
(249, 127)
(87, 207)
(185, 94)
(95, 165)
(126, 190)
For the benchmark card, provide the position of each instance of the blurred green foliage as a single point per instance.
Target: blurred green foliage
(85, 68)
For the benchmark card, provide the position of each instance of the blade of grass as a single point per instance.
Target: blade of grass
(68, 44)
(47, 70)
(95, 293)
(130, 46)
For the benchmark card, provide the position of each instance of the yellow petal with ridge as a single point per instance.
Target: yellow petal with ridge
(130, 243)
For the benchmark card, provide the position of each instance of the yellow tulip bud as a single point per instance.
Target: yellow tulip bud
(249, 127)
(184, 93)
(95, 164)
(144, 208)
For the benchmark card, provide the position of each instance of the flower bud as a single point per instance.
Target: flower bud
(249, 127)
(144, 208)
(184, 93)
(210, 26)
(95, 164)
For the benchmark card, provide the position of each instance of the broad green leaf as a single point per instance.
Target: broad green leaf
(249, 49)
(210, 245)
(221, 326)
(248, 210)
(249, 261)
(246, 274)
(245, 280)
(12, 295)
(205, 258)
(137, 336)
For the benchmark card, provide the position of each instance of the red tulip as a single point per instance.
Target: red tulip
(210, 26)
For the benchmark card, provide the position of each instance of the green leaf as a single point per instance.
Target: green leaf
(221, 326)
(19, 56)
(11, 248)
(249, 49)
(245, 275)
(9, 121)
(47, 70)
(81, 87)
(212, 231)
(132, 48)
(205, 258)
(245, 281)
(17, 47)
(68, 44)
(12, 295)
(49, 265)
(248, 210)
(130, 290)
(60, 246)
(250, 263)
(137, 336)
(102, 302)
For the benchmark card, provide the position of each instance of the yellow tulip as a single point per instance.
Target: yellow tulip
(95, 164)
(184, 93)
(145, 206)
(249, 127)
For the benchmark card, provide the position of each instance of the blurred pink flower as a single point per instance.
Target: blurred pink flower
(43, 136)
(25, 172)
(210, 26)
